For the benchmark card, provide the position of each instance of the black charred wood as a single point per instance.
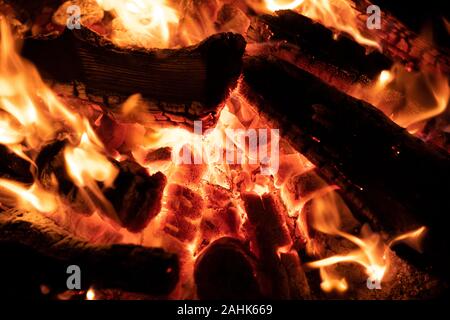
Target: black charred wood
(35, 251)
(393, 179)
(318, 47)
(196, 79)
(226, 270)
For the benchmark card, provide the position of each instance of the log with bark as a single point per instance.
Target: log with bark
(190, 82)
(408, 40)
(393, 179)
(35, 251)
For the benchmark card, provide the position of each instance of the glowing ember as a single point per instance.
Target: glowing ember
(30, 198)
(90, 295)
(384, 78)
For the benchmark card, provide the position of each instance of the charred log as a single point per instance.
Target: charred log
(268, 229)
(190, 82)
(315, 48)
(136, 196)
(226, 270)
(392, 178)
(29, 239)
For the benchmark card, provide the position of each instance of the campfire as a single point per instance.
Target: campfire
(221, 149)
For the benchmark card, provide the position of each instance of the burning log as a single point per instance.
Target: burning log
(266, 224)
(400, 41)
(314, 48)
(226, 270)
(190, 82)
(392, 178)
(135, 196)
(30, 239)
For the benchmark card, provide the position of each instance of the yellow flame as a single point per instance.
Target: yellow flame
(31, 116)
(146, 23)
(371, 249)
(33, 197)
(86, 164)
(340, 15)
(408, 97)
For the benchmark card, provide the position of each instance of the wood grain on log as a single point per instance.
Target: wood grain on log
(191, 82)
(394, 179)
(47, 250)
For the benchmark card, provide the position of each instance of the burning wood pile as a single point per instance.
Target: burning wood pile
(221, 149)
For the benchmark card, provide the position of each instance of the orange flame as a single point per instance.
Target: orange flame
(371, 249)
(339, 15)
(408, 97)
(29, 198)
(31, 115)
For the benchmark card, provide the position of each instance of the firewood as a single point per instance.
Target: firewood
(298, 284)
(392, 179)
(267, 227)
(184, 210)
(136, 196)
(46, 249)
(190, 82)
(405, 40)
(314, 47)
(226, 270)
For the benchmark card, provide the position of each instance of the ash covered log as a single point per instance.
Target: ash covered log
(226, 270)
(392, 178)
(191, 82)
(136, 196)
(35, 251)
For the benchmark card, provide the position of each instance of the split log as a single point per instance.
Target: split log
(35, 251)
(226, 270)
(392, 178)
(190, 82)
(135, 196)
